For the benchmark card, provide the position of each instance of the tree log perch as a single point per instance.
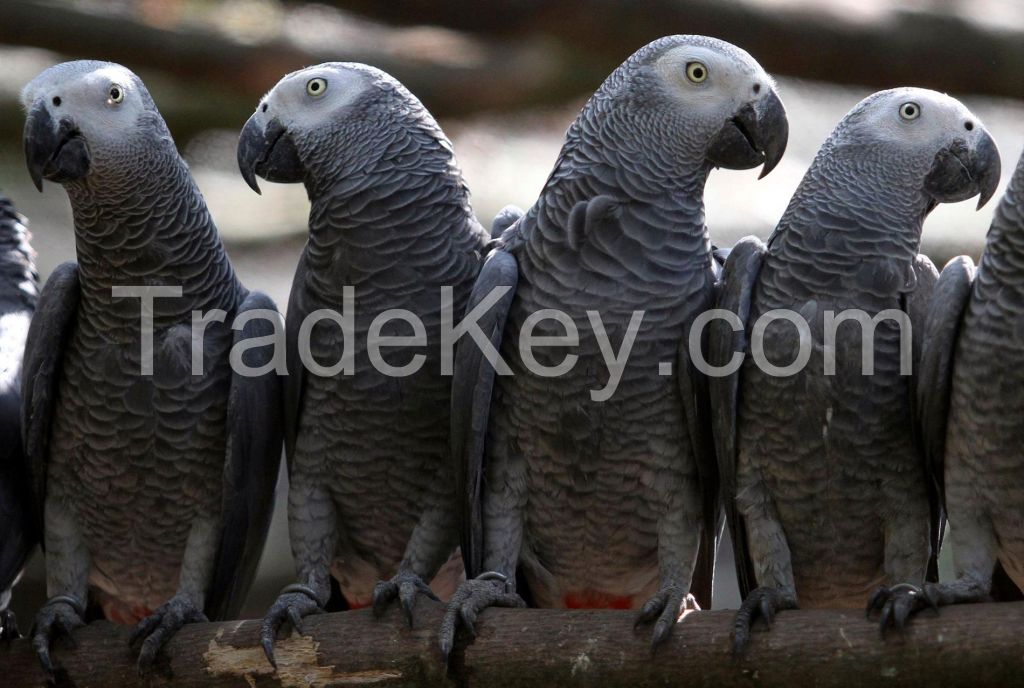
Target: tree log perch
(969, 646)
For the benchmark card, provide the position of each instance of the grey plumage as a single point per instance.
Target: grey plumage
(157, 490)
(607, 503)
(970, 407)
(390, 217)
(824, 480)
(18, 295)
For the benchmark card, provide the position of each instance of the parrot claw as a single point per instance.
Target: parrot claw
(667, 606)
(763, 602)
(897, 604)
(8, 626)
(405, 586)
(473, 596)
(157, 629)
(292, 605)
(61, 615)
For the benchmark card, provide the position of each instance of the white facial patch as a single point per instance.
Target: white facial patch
(916, 117)
(82, 90)
(303, 100)
(727, 79)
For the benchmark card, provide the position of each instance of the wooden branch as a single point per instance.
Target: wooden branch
(895, 47)
(964, 646)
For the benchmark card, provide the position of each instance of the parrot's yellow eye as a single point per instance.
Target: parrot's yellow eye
(909, 111)
(115, 94)
(316, 87)
(696, 72)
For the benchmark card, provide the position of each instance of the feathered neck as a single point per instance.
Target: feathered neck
(149, 226)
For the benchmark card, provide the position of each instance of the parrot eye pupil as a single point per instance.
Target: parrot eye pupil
(696, 72)
(56, 101)
(263, 108)
(910, 111)
(969, 126)
(116, 94)
(316, 87)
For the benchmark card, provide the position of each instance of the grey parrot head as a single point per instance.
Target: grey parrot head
(923, 141)
(85, 117)
(702, 99)
(315, 120)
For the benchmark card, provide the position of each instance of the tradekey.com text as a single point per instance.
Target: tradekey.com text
(529, 339)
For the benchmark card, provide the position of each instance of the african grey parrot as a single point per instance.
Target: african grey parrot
(824, 480)
(970, 408)
(371, 496)
(155, 486)
(18, 294)
(605, 497)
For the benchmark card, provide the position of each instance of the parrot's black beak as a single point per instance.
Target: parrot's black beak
(756, 134)
(961, 170)
(268, 152)
(53, 150)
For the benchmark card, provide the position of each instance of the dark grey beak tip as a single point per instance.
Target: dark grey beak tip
(989, 168)
(251, 144)
(774, 127)
(250, 179)
(39, 140)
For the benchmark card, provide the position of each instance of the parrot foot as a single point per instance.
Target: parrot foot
(404, 586)
(61, 615)
(8, 626)
(293, 604)
(667, 606)
(490, 589)
(764, 602)
(897, 604)
(155, 630)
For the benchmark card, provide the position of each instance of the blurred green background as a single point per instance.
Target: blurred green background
(505, 79)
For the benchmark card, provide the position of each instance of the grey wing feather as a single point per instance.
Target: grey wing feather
(693, 387)
(505, 218)
(735, 294)
(256, 429)
(933, 378)
(295, 382)
(41, 368)
(472, 385)
(19, 532)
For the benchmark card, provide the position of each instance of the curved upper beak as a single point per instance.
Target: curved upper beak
(769, 130)
(756, 134)
(252, 147)
(987, 168)
(53, 150)
(963, 169)
(266, 150)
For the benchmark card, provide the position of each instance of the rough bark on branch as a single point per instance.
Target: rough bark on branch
(963, 646)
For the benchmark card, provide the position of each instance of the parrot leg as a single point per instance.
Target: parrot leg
(490, 589)
(155, 630)
(678, 543)
(772, 564)
(975, 553)
(186, 606)
(431, 543)
(503, 537)
(67, 575)
(404, 586)
(312, 524)
(906, 559)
